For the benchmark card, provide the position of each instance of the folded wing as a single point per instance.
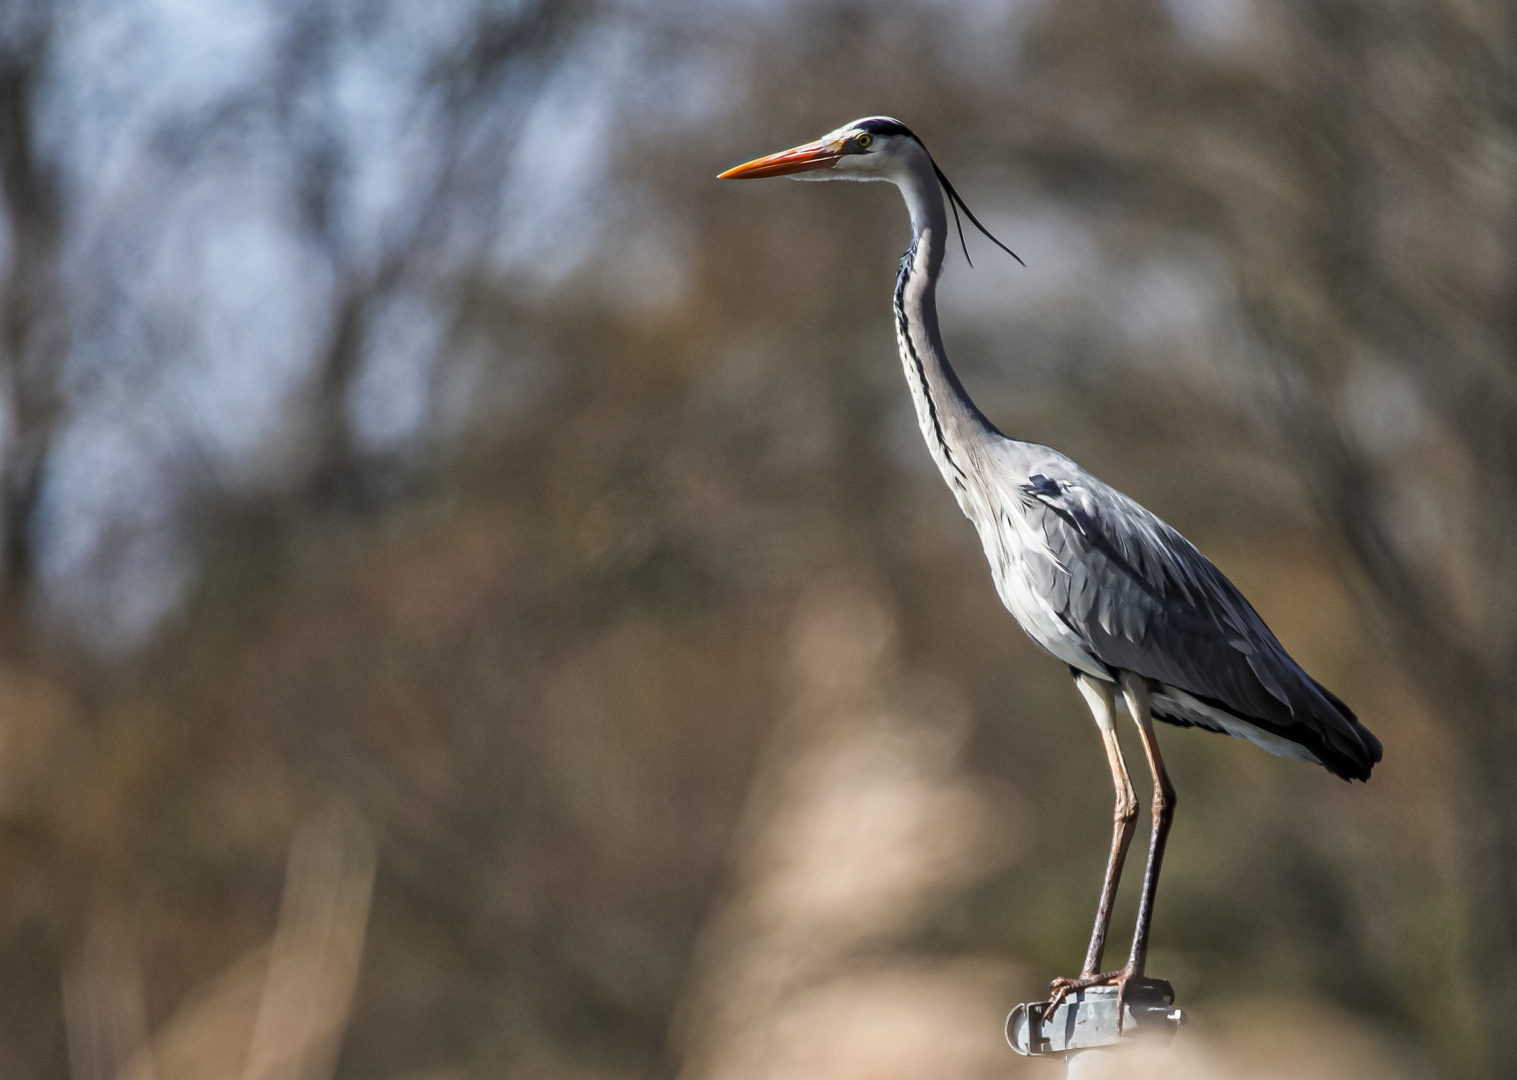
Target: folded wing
(1144, 599)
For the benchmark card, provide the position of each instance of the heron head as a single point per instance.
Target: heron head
(874, 148)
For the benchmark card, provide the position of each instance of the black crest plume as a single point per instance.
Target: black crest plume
(956, 201)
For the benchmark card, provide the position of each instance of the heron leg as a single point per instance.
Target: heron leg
(1135, 690)
(1101, 697)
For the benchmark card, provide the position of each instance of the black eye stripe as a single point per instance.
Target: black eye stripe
(883, 125)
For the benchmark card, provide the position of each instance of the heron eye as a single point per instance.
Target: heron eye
(864, 139)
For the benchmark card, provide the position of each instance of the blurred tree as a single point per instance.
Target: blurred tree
(32, 328)
(221, 236)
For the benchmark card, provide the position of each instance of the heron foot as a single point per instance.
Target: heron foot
(1063, 986)
(1122, 979)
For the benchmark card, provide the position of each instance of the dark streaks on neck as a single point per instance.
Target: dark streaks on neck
(903, 328)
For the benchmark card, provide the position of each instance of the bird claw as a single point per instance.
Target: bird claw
(1060, 987)
(1121, 979)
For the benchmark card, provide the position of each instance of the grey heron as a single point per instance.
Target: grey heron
(1130, 605)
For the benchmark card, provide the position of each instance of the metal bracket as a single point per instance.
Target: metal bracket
(1088, 1018)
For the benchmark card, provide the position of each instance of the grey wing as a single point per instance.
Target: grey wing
(1144, 599)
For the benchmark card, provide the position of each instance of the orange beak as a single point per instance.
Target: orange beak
(814, 155)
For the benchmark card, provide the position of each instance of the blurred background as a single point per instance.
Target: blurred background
(474, 601)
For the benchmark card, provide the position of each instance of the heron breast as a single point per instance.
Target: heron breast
(1034, 588)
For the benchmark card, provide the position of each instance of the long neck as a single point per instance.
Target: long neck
(954, 428)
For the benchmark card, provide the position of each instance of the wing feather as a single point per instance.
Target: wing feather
(1143, 598)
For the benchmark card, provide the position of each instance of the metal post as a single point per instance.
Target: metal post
(1087, 1019)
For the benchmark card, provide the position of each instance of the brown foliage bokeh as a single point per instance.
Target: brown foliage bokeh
(643, 708)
